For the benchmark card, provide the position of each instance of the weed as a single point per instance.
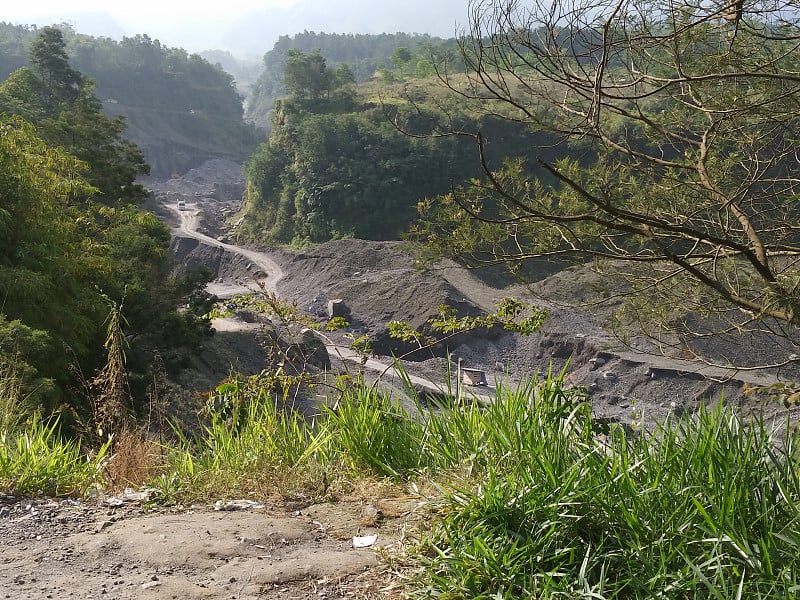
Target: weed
(706, 507)
(135, 459)
(536, 504)
(39, 462)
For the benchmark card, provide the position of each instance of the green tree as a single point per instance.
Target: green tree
(306, 76)
(401, 57)
(61, 102)
(342, 76)
(60, 83)
(22, 388)
(72, 242)
(19, 95)
(44, 275)
(114, 162)
(679, 129)
(327, 175)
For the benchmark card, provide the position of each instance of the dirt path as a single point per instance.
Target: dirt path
(70, 549)
(189, 221)
(487, 297)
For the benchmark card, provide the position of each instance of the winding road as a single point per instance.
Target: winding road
(187, 227)
(189, 221)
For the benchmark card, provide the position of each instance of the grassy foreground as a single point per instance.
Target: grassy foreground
(544, 505)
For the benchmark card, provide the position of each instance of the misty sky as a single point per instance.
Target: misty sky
(242, 26)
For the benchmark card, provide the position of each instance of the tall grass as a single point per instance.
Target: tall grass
(35, 459)
(545, 504)
(38, 461)
(548, 506)
(375, 433)
(239, 451)
(15, 405)
(707, 507)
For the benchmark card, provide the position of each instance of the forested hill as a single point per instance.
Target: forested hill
(180, 109)
(336, 165)
(364, 54)
(84, 270)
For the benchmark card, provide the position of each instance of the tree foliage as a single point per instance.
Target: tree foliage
(335, 174)
(363, 54)
(306, 76)
(43, 274)
(679, 129)
(72, 242)
(61, 102)
(60, 83)
(338, 166)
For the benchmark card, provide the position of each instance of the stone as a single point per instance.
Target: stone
(150, 585)
(304, 347)
(337, 308)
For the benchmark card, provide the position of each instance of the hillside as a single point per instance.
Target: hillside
(179, 108)
(350, 159)
(302, 548)
(363, 54)
(527, 331)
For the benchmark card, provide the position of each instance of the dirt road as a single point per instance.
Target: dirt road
(378, 281)
(188, 227)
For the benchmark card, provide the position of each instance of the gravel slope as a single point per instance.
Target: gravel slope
(381, 281)
(119, 548)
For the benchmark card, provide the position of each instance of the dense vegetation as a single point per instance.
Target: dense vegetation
(180, 109)
(365, 55)
(338, 165)
(76, 246)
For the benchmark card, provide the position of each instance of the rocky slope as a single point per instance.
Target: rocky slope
(381, 281)
(121, 547)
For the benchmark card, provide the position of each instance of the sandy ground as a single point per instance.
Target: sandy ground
(248, 551)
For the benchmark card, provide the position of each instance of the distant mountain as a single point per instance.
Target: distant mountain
(254, 33)
(93, 23)
(97, 24)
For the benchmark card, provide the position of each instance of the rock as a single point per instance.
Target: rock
(150, 585)
(131, 495)
(103, 525)
(303, 347)
(234, 505)
(596, 362)
(337, 308)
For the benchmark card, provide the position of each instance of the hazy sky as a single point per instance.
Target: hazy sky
(139, 12)
(240, 25)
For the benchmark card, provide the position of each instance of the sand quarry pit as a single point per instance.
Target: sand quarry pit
(120, 547)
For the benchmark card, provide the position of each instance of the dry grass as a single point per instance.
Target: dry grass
(135, 459)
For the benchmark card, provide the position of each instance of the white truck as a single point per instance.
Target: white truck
(181, 204)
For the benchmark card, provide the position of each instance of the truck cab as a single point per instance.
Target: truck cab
(181, 204)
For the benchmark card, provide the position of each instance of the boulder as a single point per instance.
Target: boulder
(337, 308)
(302, 347)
